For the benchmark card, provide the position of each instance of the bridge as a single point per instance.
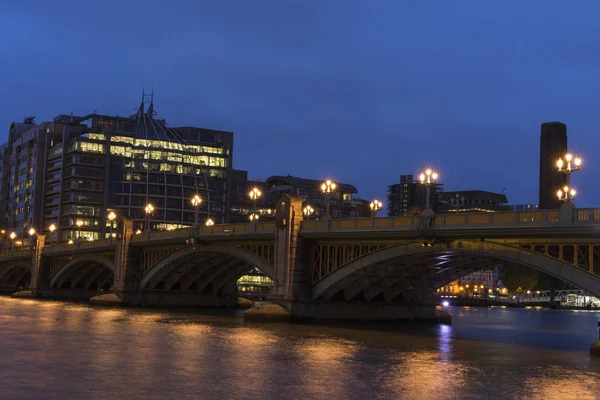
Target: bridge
(365, 268)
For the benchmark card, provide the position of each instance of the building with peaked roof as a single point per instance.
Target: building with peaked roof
(77, 168)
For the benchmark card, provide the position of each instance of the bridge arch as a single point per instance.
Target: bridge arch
(453, 259)
(233, 259)
(70, 269)
(8, 272)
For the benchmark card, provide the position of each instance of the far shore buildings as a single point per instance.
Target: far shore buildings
(343, 202)
(70, 172)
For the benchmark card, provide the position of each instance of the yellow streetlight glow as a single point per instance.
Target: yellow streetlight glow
(112, 216)
(138, 232)
(209, 222)
(328, 186)
(70, 241)
(13, 235)
(31, 232)
(3, 231)
(428, 177)
(149, 208)
(307, 210)
(196, 200)
(254, 217)
(52, 228)
(254, 193)
(376, 205)
(79, 223)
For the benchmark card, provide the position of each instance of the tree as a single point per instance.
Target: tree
(518, 276)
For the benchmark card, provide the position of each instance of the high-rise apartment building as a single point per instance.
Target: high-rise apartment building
(553, 145)
(409, 195)
(71, 171)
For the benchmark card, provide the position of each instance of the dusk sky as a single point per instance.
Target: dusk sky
(359, 91)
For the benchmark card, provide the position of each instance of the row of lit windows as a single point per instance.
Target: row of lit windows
(128, 152)
(162, 144)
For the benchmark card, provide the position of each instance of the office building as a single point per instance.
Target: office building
(70, 172)
(553, 145)
(410, 196)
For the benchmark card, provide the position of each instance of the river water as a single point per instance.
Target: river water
(54, 350)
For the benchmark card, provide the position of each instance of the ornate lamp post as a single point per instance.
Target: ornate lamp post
(457, 202)
(308, 211)
(149, 209)
(111, 217)
(31, 238)
(79, 224)
(196, 201)
(567, 165)
(12, 239)
(375, 206)
(52, 228)
(254, 194)
(428, 178)
(566, 194)
(327, 188)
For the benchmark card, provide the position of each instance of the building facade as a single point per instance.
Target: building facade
(472, 201)
(72, 171)
(342, 201)
(410, 196)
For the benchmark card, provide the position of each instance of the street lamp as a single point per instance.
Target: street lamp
(566, 194)
(196, 200)
(12, 239)
(308, 211)
(254, 217)
(567, 165)
(375, 206)
(111, 217)
(149, 210)
(31, 232)
(209, 222)
(327, 188)
(254, 194)
(428, 178)
(52, 228)
(457, 202)
(79, 224)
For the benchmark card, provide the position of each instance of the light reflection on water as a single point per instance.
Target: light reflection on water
(52, 350)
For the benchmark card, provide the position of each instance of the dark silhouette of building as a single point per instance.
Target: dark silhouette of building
(342, 203)
(410, 194)
(472, 201)
(553, 145)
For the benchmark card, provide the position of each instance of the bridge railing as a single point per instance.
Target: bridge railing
(450, 221)
(20, 253)
(79, 245)
(221, 229)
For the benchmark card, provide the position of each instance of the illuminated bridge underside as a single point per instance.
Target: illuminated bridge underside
(405, 272)
(14, 275)
(205, 269)
(88, 272)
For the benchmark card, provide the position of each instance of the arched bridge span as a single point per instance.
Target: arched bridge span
(202, 267)
(88, 271)
(392, 271)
